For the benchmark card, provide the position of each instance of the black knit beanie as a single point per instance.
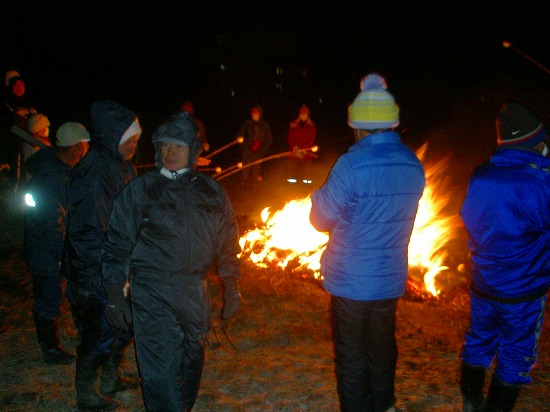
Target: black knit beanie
(517, 126)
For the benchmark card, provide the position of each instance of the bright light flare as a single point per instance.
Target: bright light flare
(29, 201)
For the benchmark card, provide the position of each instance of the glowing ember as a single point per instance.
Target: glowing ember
(287, 236)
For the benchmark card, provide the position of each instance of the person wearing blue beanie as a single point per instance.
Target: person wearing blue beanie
(506, 213)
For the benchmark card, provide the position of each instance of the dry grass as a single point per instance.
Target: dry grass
(277, 354)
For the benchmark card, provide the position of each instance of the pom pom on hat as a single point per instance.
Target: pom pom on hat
(374, 107)
(11, 75)
(517, 126)
(36, 122)
(71, 133)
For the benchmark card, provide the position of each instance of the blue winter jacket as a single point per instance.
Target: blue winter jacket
(93, 186)
(45, 222)
(368, 205)
(507, 215)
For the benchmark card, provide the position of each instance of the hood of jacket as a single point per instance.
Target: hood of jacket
(180, 129)
(109, 122)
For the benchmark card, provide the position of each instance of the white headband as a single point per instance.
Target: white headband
(132, 130)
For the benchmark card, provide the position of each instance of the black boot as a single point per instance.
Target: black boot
(48, 339)
(501, 397)
(472, 379)
(111, 382)
(87, 398)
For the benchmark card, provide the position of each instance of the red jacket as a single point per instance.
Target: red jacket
(301, 135)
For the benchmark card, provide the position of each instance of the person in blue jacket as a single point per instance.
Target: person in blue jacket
(45, 220)
(93, 186)
(368, 205)
(506, 212)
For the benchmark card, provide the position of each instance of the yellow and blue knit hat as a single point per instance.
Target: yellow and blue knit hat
(374, 107)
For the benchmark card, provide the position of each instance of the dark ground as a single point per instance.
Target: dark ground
(275, 356)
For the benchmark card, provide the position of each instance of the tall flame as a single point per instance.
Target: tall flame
(287, 236)
(432, 228)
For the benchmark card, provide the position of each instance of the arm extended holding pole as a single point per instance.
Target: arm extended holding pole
(265, 159)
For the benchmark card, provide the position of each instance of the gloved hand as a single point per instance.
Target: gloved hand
(117, 309)
(231, 298)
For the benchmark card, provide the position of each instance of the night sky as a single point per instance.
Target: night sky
(443, 60)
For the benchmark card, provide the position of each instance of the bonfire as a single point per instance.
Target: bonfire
(286, 240)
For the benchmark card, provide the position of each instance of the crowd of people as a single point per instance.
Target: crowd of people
(131, 252)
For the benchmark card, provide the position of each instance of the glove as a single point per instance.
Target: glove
(117, 309)
(231, 298)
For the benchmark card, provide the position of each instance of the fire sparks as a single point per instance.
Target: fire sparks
(286, 239)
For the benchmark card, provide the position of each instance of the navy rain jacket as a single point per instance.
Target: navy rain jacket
(93, 185)
(45, 222)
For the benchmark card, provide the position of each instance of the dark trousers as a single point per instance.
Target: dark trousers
(97, 338)
(170, 323)
(365, 353)
(48, 294)
(250, 174)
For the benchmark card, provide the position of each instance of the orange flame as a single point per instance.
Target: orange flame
(287, 236)
(287, 230)
(432, 228)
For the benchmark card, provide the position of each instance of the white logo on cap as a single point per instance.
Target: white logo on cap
(516, 132)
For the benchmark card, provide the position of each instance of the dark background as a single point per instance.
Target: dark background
(443, 60)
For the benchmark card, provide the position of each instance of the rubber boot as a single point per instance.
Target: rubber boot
(87, 398)
(472, 379)
(110, 381)
(501, 397)
(48, 339)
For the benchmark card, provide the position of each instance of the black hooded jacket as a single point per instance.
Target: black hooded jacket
(93, 186)
(165, 229)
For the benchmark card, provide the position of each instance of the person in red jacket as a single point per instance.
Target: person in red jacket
(301, 135)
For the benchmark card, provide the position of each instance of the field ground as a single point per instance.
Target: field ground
(275, 356)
